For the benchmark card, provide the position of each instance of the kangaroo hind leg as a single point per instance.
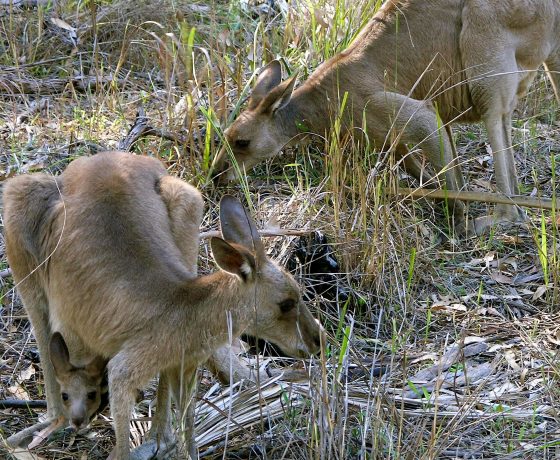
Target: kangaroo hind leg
(31, 205)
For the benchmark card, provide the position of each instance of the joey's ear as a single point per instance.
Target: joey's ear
(232, 260)
(238, 226)
(96, 367)
(279, 96)
(60, 358)
(269, 78)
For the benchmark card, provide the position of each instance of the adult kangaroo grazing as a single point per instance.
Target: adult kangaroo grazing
(115, 280)
(80, 374)
(466, 60)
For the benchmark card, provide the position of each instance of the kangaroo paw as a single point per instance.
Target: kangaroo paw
(152, 449)
(483, 224)
(25, 437)
(39, 437)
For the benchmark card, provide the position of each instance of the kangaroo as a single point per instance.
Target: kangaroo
(96, 252)
(415, 61)
(83, 389)
(76, 387)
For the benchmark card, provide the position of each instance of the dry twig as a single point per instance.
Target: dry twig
(483, 197)
(141, 128)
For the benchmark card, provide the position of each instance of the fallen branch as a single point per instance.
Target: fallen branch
(483, 197)
(22, 3)
(141, 128)
(26, 85)
(264, 232)
(22, 404)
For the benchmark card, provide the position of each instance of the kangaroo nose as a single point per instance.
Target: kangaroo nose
(220, 165)
(319, 339)
(222, 176)
(77, 422)
(317, 342)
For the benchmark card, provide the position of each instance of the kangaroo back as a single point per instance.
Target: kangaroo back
(31, 204)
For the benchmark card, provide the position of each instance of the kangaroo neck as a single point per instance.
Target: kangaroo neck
(316, 105)
(212, 298)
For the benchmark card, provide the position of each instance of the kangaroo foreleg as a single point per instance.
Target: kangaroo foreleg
(23, 438)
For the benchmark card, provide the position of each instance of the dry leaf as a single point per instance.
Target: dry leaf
(18, 392)
(510, 358)
(540, 291)
(63, 25)
(453, 308)
(26, 374)
(501, 278)
(72, 34)
(506, 387)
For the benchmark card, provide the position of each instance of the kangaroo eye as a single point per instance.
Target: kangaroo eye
(92, 395)
(287, 305)
(242, 143)
(64, 396)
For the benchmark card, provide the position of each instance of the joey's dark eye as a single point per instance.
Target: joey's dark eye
(92, 395)
(64, 396)
(242, 143)
(287, 305)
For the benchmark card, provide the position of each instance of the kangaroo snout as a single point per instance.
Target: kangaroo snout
(314, 340)
(79, 421)
(222, 172)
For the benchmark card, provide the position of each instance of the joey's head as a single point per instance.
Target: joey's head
(264, 127)
(81, 388)
(276, 311)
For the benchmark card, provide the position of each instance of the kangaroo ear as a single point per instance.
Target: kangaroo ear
(60, 358)
(269, 78)
(238, 227)
(232, 259)
(279, 96)
(96, 367)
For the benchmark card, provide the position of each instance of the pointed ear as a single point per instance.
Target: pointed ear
(60, 358)
(280, 96)
(238, 227)
(96, 367)
(269, 78)
(232, 259)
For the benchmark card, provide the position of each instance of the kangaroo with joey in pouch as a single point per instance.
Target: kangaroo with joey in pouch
(82, 378)
(76, 380)
(84, 391)
(415, 61)
(115, 279)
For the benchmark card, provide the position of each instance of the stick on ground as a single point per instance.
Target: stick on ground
(483, 197)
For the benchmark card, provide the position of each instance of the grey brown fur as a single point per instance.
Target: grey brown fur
(472, 59)
(107, 253)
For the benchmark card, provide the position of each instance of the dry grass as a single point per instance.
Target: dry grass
(408, 296)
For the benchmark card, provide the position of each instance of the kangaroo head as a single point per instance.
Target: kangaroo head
(279, 314)
(260, 131)
(80, 387)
